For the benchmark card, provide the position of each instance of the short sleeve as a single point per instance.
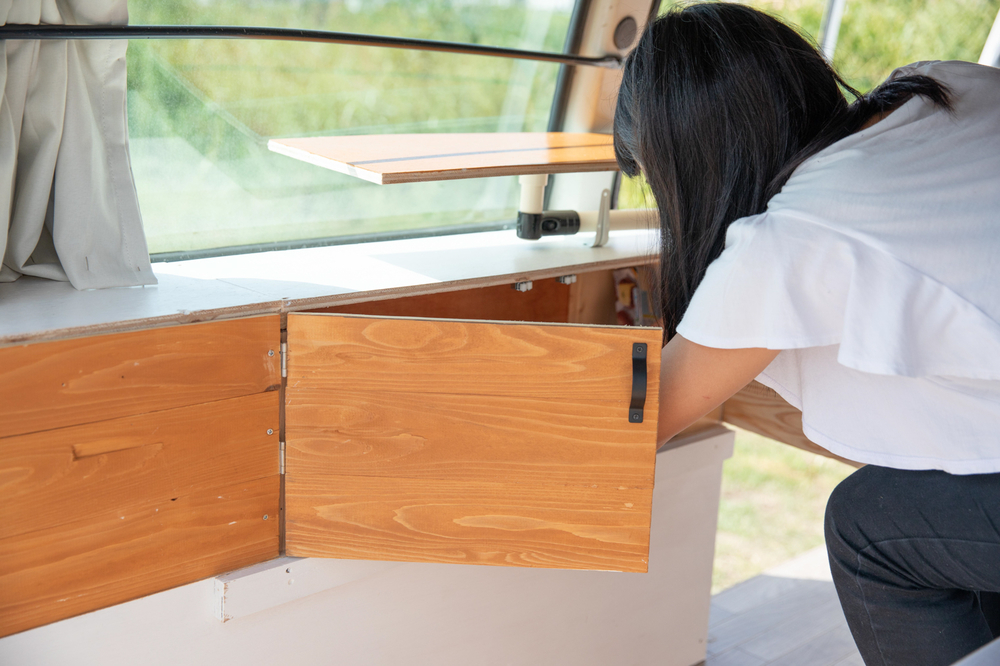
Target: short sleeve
(787, 283)
(775, 285)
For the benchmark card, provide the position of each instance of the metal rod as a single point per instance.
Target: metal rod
(830, 30)
(991, 49)
(564, 80)
(20, 31)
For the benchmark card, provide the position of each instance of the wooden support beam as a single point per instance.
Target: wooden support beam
(759, 409)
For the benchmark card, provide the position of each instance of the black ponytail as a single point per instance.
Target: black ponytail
(718, 105)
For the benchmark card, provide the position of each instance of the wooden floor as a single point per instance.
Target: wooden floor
(787, 616)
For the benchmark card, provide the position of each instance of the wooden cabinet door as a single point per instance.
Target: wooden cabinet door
(469, 442)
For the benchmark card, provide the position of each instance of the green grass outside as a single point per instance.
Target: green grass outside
(772, 504)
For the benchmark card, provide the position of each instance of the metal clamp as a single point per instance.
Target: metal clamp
(603, 220)
(638, 382)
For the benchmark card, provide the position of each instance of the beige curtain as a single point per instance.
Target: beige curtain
(66, 185)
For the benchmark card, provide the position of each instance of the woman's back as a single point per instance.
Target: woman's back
(923, 184)
(877, 269)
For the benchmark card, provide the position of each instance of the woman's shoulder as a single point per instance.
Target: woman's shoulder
(785, 282)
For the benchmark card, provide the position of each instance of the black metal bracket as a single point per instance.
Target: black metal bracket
(638, 382)
(532, 226)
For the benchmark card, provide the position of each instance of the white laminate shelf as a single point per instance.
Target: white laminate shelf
(33, 309)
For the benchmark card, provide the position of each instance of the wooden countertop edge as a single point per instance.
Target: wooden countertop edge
(128, 325)
(395, 178)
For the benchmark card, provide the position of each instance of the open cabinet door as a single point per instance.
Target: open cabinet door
(470, 442)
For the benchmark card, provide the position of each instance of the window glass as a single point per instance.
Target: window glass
(201, 112)
(875, 38)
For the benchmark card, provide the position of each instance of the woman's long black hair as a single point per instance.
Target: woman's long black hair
(719, 103)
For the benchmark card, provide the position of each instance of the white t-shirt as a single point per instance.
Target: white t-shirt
(877, 270)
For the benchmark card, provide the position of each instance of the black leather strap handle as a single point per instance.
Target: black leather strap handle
(639, 350)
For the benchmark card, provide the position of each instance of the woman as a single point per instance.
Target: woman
(848, 256)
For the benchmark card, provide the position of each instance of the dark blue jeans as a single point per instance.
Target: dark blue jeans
(915, 557)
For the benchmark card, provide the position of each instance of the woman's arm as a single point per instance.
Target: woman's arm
(694, 380)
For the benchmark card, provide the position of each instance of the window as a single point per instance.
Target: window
(201, 112)
(877, 36)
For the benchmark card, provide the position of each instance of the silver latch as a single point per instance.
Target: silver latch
(284, 359)
(281, 457)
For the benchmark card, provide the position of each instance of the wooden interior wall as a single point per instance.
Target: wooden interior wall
(589, 300)
(592, 299)
(547, 301)
(759, 409)
(485, 443)
(133, 463)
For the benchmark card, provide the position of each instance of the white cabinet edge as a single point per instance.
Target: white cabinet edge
(283, 580)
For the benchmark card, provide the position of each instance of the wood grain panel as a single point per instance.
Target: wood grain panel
(548, 301)
(411, 158)
(474, 442)
(93, 471)
(470, 523)
(759, 409)
(526, 361)
(592, 299)
(101, 513)
(56, 384)
(470, 438)
(62, 571)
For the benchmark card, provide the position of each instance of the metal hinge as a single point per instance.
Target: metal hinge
(523, 286)
(284, 359)
(281, 457)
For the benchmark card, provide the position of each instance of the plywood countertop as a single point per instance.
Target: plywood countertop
(33, 309)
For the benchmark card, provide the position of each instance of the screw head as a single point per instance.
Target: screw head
(265, 516)
(270, 352)
(640, 349)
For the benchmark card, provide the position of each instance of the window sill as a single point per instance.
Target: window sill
(33, 310)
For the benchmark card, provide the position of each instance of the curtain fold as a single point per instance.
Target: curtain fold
(66, 182)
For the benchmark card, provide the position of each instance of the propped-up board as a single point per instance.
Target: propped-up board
(455, 441)
(415, 158)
